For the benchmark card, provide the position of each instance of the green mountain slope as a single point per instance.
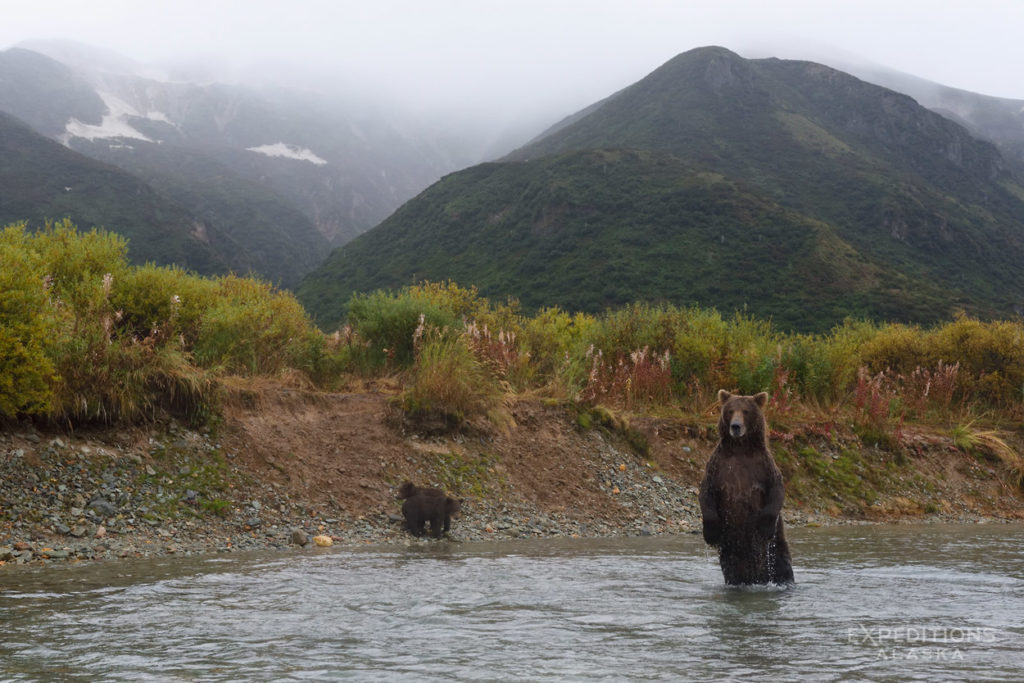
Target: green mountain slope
(41, 179)
(250, 226)
(788, 188)
(44, 93)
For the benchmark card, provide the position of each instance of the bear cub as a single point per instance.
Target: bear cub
(741, 497)
(424, 505)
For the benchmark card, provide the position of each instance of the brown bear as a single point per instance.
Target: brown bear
(424, 505)
(741, 497)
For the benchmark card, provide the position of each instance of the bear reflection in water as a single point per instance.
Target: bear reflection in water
(741, 497)
(424, 505)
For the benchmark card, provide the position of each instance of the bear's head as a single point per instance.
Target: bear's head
(453, 507)
(742, 416)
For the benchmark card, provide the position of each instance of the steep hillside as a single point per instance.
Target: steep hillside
(41, 179)
(344, 164)
(252, 229)
(275, 177)
(792, 190)
(999, 120)
(44, 93)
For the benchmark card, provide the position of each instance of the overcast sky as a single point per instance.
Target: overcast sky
(531, 55)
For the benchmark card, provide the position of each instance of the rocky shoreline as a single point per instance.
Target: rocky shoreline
(177, 492)
(72, 499)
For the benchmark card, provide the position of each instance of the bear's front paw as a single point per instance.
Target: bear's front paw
(712, 531)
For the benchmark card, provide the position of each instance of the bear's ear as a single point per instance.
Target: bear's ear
(761, 399)
(723, 396)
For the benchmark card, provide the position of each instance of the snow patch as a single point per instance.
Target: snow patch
(280, 149)
(159, 116)
(113, 125)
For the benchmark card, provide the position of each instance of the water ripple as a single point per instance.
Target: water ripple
(909, 603)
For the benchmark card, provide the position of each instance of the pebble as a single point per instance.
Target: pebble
(114, 501)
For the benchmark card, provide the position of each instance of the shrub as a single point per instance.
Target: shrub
(254, 329)
(77, 264)
(27, 328)
(990, 357)
(448, 379)
(163, 301)
(553, 341)
(387, 323)
(639, 379)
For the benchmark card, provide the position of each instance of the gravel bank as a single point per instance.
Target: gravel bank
(175, 491)
(82, 498)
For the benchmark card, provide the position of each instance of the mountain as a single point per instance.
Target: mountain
(276, 176)
(999, 120)
(786, 188)
(41, 179)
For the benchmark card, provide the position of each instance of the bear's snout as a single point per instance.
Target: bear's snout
(736, 426)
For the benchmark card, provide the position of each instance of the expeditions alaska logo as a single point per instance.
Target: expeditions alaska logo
(919, 642)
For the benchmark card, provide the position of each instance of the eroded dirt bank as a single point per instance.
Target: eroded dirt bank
(283, 461)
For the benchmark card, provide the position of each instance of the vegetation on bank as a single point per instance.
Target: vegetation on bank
(84, 336)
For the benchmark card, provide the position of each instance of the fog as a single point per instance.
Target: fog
(524, 61)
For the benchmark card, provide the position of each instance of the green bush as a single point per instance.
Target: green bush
(388, 322)
(448, 379)
(85, 336)
(253, 329)
(27, 328)
(164, 301)
(551, 340)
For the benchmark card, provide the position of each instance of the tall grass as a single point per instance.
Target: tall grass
(85, 336)
(448, 380)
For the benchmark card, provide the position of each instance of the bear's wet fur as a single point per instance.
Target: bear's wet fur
(741, 497)
(424, 505)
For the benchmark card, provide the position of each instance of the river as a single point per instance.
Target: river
(928, 603)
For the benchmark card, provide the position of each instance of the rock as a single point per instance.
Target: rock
(102, 507)
(299, 537)
(79, 531)
(101, 531)
(323, 540)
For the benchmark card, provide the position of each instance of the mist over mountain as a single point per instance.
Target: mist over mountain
(996, 119)
(41, 179)
(785, 188)
(276, 176)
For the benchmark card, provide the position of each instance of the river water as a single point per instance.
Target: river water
(929, 603)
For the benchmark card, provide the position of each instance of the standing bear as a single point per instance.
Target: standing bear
(741, 497)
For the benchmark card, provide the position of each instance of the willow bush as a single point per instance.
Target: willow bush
(86, 336)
